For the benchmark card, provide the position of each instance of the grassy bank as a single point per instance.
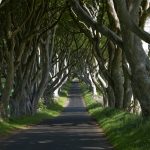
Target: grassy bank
(14, 124)
(124, 130)
(53, 110)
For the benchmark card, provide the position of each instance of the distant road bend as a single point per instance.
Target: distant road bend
(73, 130)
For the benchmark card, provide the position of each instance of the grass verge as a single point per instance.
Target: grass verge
(13, 125)
(124, 130)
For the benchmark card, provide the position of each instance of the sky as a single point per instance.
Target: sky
(147, 29)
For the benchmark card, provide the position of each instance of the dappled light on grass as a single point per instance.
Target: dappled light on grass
(6, 127)
(74, 129)
(126, 131)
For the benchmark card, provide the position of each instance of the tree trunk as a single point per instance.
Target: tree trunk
(111, 97)
(6, 92)
(137, 58)
(128, 93)
(117, 77)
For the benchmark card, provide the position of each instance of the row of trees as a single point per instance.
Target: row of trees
(43, 43)
(34, 62)
(120, 66)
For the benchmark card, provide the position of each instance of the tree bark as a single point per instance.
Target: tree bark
(137, 58)
(6, 92)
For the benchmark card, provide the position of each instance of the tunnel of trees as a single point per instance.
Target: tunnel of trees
(43, 43)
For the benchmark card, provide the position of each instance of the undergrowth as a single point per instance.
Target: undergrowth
(53, 110)
(124, 130)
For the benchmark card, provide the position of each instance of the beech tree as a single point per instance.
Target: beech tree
(26, 49)
(44, 43)
(128, 40)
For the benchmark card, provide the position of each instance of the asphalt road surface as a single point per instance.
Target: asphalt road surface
(73, 130)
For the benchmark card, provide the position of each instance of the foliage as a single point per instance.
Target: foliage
(43, 43)
(125, 131)
(66, 87)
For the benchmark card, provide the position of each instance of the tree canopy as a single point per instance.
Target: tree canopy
(44, 43)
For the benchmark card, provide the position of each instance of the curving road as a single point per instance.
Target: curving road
(73, 130)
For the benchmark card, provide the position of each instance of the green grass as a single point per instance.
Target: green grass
(124, 130)
(7, 127)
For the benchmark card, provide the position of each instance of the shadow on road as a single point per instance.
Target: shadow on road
(73, 130)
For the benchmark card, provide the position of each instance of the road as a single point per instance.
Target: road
(74, 129)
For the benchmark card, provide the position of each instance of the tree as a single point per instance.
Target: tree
(128, 15)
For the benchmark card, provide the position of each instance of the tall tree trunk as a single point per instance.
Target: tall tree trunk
(6, 92)
(128, 93)
(43, 81)
(138, 60)
(117, 77)
(111, 96)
